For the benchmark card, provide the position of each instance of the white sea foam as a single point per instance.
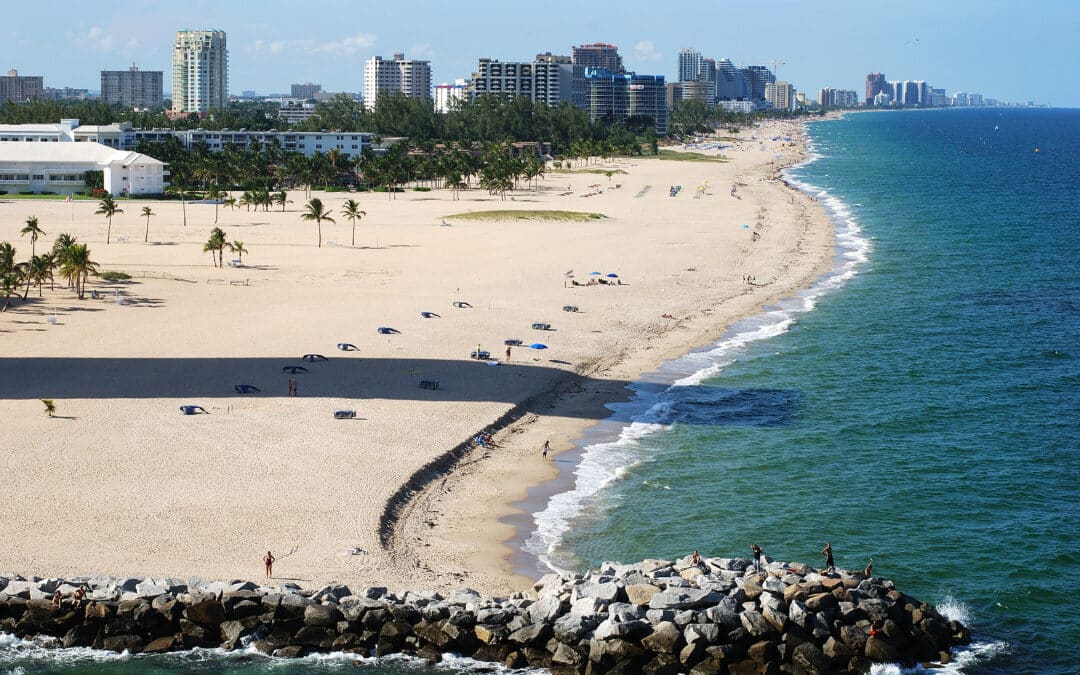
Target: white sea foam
(605, 461)
(974, 657)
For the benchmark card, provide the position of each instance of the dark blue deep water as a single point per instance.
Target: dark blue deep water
(920, 406)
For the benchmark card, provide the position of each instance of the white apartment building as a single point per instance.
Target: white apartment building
(412, 78)
(125, 137)
(447, 94)
(200, 71)
(59, 168)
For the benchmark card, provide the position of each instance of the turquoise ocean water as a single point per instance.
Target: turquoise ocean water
(920, 404)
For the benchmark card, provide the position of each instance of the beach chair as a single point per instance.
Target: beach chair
(344, 414)
(569, 308)
(541, 326)
(312, 358)
(386, 330)
(462, 305)
(430, 315)
(193, 409)
(482, 355)
(512, 342)
(347, 347)
(247, 389)
(429, 384)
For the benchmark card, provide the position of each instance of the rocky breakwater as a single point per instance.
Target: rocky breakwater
(656, 616)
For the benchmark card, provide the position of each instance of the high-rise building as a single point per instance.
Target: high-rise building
(780, 94)
(839, 98)
(200, 71)
(875, 84)
(132, 88)
(756, 78)
(549, 81)
(305, 91)
(731, 84)
(396, 76)
(689, 65)
(15, 87)
(617, 96)
(598, 55)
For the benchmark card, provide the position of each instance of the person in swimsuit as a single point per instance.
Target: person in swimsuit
(827, 552)
(695, 559)
(546, 448)
(268, 560)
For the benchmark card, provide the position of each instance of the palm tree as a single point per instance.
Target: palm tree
(316, 212)
(283, 199)
(230, 201)
(216, 194)
(237, 247)
(50, 406)
(215, 245)
(146, 211)
(353, 213)
(108, 208)
(38, 271)
(184, 194)
(78, 267)
(61, 248)
(9, 280)
(34, 231)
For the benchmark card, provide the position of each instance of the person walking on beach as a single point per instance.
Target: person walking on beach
(508, 353)
(268, 560)
(546, 448)
(757, 551)
(830, 565)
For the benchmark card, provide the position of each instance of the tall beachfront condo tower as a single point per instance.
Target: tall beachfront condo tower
(399, 76)
(875, 84)
(132, 88)
(598, 55)
(200, 71)
(19, 88)
(689, 65)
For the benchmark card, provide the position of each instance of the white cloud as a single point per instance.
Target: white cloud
(96, 38)
(645, 51)
(349, 46)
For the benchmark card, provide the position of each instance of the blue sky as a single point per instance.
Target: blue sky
(1009, 50)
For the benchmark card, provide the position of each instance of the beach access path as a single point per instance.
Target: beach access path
(120, 482)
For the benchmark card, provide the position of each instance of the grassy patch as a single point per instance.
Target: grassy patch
(114, 276)
(690, 156)
(507, 214)
(602, 172)
(79, 198)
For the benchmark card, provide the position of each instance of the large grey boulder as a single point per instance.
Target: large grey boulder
(709, 633)
(755, 624)
(684, 598)
(570, 628)
(809, 659)
(608, 592)
(533, 635)
(588, 606)
(545, 609)
(664, 639)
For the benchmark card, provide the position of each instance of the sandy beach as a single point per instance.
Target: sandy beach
(120, 482)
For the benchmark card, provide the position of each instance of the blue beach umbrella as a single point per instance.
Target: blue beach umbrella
(594, 274)
(537, 345)
(612, 275)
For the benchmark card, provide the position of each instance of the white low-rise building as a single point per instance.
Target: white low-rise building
(60, 168)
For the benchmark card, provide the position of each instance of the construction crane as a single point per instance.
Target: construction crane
(776, 67)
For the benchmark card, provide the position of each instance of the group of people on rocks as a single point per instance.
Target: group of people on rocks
(78, 597)
(830, 564)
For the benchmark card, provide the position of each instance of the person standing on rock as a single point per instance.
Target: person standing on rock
(830, 565)
(268, 560)
(869, 566)
(757, 551)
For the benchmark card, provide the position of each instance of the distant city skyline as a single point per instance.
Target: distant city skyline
(1006, 50)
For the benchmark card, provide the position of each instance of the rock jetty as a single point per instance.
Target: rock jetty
(655, 616)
